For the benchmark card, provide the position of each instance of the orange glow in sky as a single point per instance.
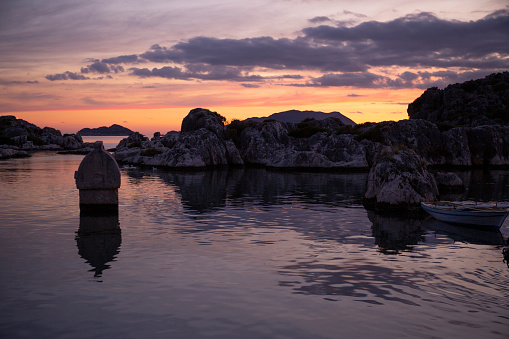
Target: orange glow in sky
(147, 66)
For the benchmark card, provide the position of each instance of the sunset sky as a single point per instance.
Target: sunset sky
(145, 64)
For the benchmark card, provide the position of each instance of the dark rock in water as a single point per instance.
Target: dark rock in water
(399, 181)
(113, 130)
(472, 103)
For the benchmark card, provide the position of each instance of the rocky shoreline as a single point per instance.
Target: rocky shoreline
(398, 155)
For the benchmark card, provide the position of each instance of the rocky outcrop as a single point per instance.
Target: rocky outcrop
(20, 134)
(399, 180)
(460, 146)
(310, 144)
(7, 153)
(201, 143)
(202, 118)
(472, 103)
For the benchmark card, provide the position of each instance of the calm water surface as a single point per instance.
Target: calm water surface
(240, 254)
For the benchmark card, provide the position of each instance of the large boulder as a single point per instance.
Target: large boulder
(399, 180)
(203, 118)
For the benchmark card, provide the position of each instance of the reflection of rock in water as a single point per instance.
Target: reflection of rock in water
(204, 191)
(482, 185)
(98, 239)
(394, 234)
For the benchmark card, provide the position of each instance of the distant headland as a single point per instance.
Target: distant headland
(296, 116)
(113, 130)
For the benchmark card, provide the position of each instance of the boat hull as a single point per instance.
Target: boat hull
(491, 219)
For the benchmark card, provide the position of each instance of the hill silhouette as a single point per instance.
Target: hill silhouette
(113, 130)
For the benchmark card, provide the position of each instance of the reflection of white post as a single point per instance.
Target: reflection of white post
(98, 178)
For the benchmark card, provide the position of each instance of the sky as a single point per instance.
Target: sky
(145, 64)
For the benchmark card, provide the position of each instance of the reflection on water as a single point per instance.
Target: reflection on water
(394, 234)
(248, 253)
(98, 239)
(482, 185)
(206, 191)
(467, 234)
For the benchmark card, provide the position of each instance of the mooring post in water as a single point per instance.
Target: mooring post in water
(98, 180)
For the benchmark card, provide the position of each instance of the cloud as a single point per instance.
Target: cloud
(345, 55)
(102, 67)
(66, 76)
(319, 19)
(422, 39)
(251, 85)
(122, 59)
(197, 72)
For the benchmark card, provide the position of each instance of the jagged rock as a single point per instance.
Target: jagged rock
(270, 144)
(30, 137)
(203, 118)
(472, 103)
(489, 145)
(133, 140)
(399, 181)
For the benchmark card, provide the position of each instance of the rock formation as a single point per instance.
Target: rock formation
(201, 143)
(399, 180)
(472, 103)
(19, 134)
(309, 144)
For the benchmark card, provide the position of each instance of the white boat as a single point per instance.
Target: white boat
(490, 215)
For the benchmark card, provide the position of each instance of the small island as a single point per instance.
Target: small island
(113, 130)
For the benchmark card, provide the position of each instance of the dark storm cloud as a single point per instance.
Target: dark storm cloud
(423, 40)
(265, 52)
(420, 40)
(197, 72)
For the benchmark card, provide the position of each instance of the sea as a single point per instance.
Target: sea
(241, 253)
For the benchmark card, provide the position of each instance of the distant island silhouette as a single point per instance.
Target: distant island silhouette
(113, 130)
(296, 116)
